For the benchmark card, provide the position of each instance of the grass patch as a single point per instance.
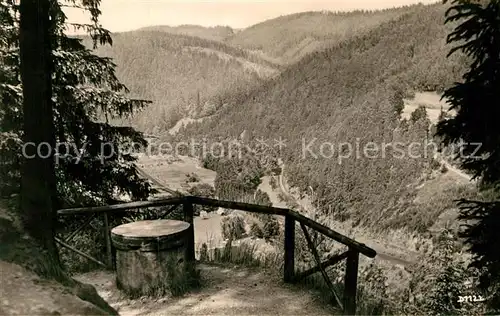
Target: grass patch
(244, 254)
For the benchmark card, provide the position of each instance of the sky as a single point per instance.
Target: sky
(126, 15)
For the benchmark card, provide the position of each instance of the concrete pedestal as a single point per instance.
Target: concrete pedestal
(150, 256)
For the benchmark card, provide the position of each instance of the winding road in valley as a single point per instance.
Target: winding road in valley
(466, 177)
(383, 251)
(390, 253)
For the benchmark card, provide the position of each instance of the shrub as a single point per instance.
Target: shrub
(256, 231)
(204, 253)
(233, 227)
(273, 183)
(444, 169)
(398, 102)
(438, 281)
(203, 190)
(192, 177)
(282, 197)
(271, 228)
(373, 291)
(266, 226)
(447, 287)
(419, 114)
(262, 198)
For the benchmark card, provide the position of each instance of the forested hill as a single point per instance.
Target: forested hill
(193, 71)
(216, 33)
(350, 93)
(288, 38)
(182, 75)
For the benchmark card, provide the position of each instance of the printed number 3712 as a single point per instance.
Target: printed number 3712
(470, 298)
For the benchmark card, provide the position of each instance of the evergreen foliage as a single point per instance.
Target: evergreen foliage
(350, 93)
(287, 39)
(475, 98)
(95, 167)
(203, 190)
(185, 76)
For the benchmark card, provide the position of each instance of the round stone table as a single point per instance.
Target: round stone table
(150, 256)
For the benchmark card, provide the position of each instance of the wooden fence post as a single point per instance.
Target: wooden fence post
(289, 267)
(189, 218)
(107, 237)
(351, 282)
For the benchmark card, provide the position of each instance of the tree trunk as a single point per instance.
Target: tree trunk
(38, 183)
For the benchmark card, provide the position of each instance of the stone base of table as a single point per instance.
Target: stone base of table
(150, 257)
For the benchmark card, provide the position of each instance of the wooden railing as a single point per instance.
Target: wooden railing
(348, 301)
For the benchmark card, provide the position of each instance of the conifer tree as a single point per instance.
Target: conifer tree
(38, 179)
(476, 128)
(80, 93)
(96, 165)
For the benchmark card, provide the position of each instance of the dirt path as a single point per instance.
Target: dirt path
(227, 291)
(466, 177)
(24, 293)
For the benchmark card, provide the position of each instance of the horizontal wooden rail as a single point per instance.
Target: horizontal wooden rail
(291, 217)
(354, 245)
(362, 248)
(252, 208)
(121, 206)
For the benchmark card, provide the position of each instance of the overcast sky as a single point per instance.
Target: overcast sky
(125, 15)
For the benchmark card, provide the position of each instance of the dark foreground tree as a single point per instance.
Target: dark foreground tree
(92, 166)
(38, 180)
(53, 89)
(476, 128)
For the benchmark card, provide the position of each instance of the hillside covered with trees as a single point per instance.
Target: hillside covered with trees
(352, 93)
(287, 39)
(182, 75)
(193, 71)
